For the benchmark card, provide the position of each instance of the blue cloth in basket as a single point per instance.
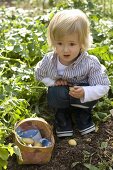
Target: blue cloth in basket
(30, 133)
(45, 142)
(34, 134)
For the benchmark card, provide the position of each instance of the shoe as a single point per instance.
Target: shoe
(64, 131)
(84, 121)
(87, 130)
(63, 123)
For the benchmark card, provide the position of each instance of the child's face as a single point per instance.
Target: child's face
(67, 48)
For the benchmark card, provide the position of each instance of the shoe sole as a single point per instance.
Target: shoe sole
(64, 133)
(87, 130)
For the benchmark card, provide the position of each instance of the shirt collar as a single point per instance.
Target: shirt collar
(79, 58)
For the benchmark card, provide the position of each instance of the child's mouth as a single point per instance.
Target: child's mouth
(66, 56)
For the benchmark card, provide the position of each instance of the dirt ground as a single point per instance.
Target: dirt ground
(87, 150)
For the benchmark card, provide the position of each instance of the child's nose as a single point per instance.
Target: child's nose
(65, 48)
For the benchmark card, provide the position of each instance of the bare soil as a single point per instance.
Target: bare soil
(87, 150)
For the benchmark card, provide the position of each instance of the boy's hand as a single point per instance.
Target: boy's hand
(61, 82)
(76, 91)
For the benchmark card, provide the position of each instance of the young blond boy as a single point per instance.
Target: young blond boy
(74, 78)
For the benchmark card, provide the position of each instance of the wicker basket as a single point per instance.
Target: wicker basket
(34, 155)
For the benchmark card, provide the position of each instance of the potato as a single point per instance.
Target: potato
(28, 141)
(71, 88)
(30, 145)
(38, 144)
(72, 142)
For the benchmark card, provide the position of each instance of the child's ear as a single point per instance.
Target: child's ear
(82, 48)
(54, 45)
(54, 48)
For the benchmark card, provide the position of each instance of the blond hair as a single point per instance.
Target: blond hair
(67, 22)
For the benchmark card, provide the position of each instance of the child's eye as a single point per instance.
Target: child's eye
(59, 43)
(72, 44)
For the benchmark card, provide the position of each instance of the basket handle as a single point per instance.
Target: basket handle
(15, 125)
(40, 119)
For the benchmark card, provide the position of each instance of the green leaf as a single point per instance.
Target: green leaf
(18, 48)
(9, 48)
(104, 145)
(4, 154)
(3, 164)
(91, 167)
(10, 149)
(110, 168)
(102, 115)
(74, 164)
(18, 152)
(0, 167)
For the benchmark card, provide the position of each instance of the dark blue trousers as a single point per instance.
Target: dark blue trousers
(59, 98)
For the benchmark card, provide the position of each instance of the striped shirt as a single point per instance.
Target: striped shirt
(85, 69)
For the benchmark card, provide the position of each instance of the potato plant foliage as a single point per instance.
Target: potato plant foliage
(22, 44)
